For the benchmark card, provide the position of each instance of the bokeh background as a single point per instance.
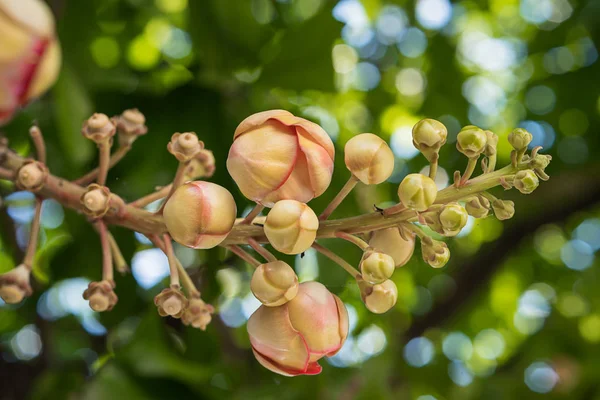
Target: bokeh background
(514, 315)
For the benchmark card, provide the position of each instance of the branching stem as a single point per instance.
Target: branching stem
(353, 239)
(114, 159)
(173, 271)
(241, 253)
(38, 143)
(104, 161)
(266, 254)
(34, 234)
(252, 214)
(107, 261)
(343, 193)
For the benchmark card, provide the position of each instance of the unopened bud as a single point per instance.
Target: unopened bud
(130, 124)
(417, 192)
(435, 253)
(101, 295)
(32, 176)
(526, 181)
(390, 241)
(378, 298)
(185, 146)
(478, 206)
(369, 158)
(471, 141)
(198, 314)
(291, 226)
(98, 128)
(429, 135)
(491, 144)
(201, 166)
(96, 200)
(503, 209)
(453, 218)
(274, 283)
(519, 139)
(540, 161)
(170, 301)
(14, 285)
(376, 267)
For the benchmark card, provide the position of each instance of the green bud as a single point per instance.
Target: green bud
(471, 141)
(376, 267)
(492, 143)
(503, 209)
(453, 218)
(417, 192)
(526, 181)
(428, 136)
(478, 206)
(435, 253)
(519, 139)
(540, 161)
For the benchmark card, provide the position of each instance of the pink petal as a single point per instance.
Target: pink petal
(258, 119)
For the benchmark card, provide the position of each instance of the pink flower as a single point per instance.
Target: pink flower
(291, 338)
(277, 156)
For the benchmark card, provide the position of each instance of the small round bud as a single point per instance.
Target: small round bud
(417, 192)
(201, 166)
(390, 241)
(526, 181)
(378, 298)
(491, 144)
(471, 141)
(185, 146)
(503, 209)
(98, 128)
(519, 139)
(429, 135)
(172, 302)
(478, 206)
(14, 285)
(369, 158)
(453, 218)
(435, 253)
(96, 200)
(198, 314)
(376, 267)
(101, 295)
(274, 283)
(200, 214)
(291, 226)
(32, 176)
(130, 124)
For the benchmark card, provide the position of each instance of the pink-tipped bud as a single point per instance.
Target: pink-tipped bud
(376, 267)
(198, 314)
(200, 214)
(417, 191)
(185, 146)
(171, 302)
(390, 241)
(276, 156)
(378, 298)
(291, 227)
(369, 158)
(274, 283)
(101, 295)
(98, 128)
(32, 176)
(14, 285)
(290, 339)
(29, 53)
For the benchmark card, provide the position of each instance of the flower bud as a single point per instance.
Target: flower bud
(274, 283)
(185, 146)
(526, 181)
(31, 176)
(29, 53)
(435, 253)
(429, 135)
(201, 166)
(98, 128)
(519, 139)
(471, 141)
(540, 161)
(478, 206)
(369, 158)
(453, 218)
(198, 314)
(96, 200)
(503, 209)
(376, 267)
(101, 295)
(491, 144)
(378, 298)
(130, 124)
(172, 302)
(200, 214)
(291, 227)
(290, 339)
(390, 241)
(276, 156)
(14, 285)
(417, 192)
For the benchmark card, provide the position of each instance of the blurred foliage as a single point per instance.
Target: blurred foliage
(515, 315)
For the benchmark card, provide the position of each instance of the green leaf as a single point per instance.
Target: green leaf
(41, 263)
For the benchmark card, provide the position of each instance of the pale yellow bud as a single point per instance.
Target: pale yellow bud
(14, 285)
(503, 209)
(274, 283)
(519, 139)
(478, 206)
(429, 135)
(171, 302)
(526, 181)
(491, 144)
(198, 314)
(96, 200)
(185, 146)
(291, 226)
(453, 218)
(369, 158)
(98, 128)
(417, 191)
(101, 295)
(471, 141)
(376, 267)
(32, 176)
(435, 253)
(130, 124)
(390, 241)
(378, 298)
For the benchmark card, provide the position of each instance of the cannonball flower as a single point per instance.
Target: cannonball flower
(101, 295)
(369, 158)
(417, 191)
(30, 54)
(172, 302)
(14, 284)
(274, 283)
(198, 314)
(200, 214)
(32, 176)
(290, 339)
(291, 226)
(376, 267)
(390, 241)
(276, 156)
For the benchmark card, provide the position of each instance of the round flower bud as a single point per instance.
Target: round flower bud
(98, 128)
(101, 295)
(453, 218)
(435, 253)
(378, 298)
(290, 339)
(130, 124)
(291, 226)
(14, 285)
(478, 206)
(429, 135)
(201, 166)
(276, 156)
(29, 53)
(503, 209)
(96, 200)
(376, 267)
(471, 141)
(274, 283)
(369, 158)
(198, 314)
(200, 214)
(390, 241)
(417, 192)
(185, 146)
(519, 139)
(526, 181)
(172, 302)
(32, 176)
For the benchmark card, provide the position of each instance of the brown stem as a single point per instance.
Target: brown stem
(174, 273)
(266, 254)
(6, 174)
(104, 160)
(253, 214)
(241, 253)
(345, 191)
(118, 259)
(152, 197)
(107, 264)
(337, 259)
(38, 143)
(353, 239)
(114, 159)
(186, 280)
(34, 234)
